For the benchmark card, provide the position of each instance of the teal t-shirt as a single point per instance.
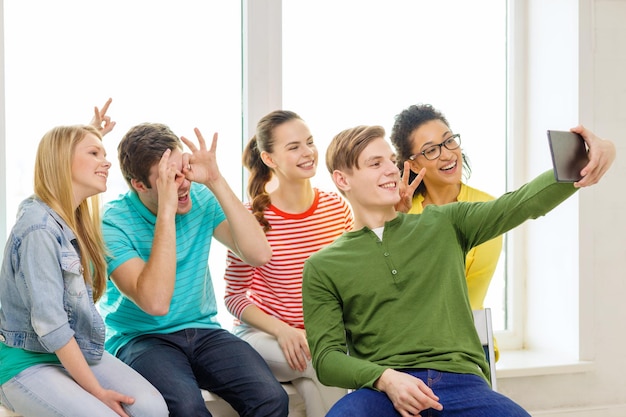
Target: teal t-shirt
(15, 360)
(128, 229)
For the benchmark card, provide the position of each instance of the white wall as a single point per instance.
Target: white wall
(600, 391)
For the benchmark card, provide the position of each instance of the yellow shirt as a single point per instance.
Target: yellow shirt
(481, 260)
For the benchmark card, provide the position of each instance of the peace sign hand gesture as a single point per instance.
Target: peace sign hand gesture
(407, 190)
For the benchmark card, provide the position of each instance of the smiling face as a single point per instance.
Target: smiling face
(90, 168)
(440, 172)
(373, 184)
(294, 156)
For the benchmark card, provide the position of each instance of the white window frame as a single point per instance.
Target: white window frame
(531, 346)
(263, 84)
(550, 80)
(538, 89)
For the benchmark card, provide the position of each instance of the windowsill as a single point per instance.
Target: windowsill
(523, 363)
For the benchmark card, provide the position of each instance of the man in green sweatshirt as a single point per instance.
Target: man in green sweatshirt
(385, 306)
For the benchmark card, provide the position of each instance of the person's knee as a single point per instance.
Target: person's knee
(363, 402)
(190, 407)
(279, 402)
(150, 404)
(274, 403)
(184, 400)
(347, 409)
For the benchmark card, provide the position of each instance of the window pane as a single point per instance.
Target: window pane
(177, 63)
(355, 62)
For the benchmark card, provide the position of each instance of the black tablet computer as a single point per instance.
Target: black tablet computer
(569, 155)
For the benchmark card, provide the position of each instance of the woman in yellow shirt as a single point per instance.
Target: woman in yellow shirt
(422, 136)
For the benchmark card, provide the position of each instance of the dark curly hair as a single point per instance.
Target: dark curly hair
(405, 124)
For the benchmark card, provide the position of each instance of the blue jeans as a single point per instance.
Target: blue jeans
(213, 359)
(461, 395)
(49, 391)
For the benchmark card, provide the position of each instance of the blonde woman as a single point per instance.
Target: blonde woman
(52, 353)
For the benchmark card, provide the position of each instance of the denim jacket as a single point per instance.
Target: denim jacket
(44, 300)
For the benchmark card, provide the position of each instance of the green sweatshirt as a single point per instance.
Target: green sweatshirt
(402, 302)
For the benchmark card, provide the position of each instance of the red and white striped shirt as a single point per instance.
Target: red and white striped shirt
(276, 287)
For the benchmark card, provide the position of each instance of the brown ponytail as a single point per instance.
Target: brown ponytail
(261, 174)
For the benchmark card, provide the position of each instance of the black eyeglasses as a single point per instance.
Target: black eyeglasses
(433, 152)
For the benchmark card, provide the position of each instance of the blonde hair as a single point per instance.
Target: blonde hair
(344, 150)
(53, 185)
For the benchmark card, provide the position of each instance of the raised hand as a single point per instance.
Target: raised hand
(407, 190)
(168, 182)
(100, 120)
(601, 156)
(201, 165)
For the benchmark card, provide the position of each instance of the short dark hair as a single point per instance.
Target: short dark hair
(143, 146)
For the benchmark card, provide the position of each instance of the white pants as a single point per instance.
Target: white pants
(318, 398)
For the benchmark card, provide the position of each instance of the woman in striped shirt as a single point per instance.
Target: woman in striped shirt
(298, 220)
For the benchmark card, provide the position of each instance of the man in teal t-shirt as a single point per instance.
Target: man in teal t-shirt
(159, 305)
(386, 307)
